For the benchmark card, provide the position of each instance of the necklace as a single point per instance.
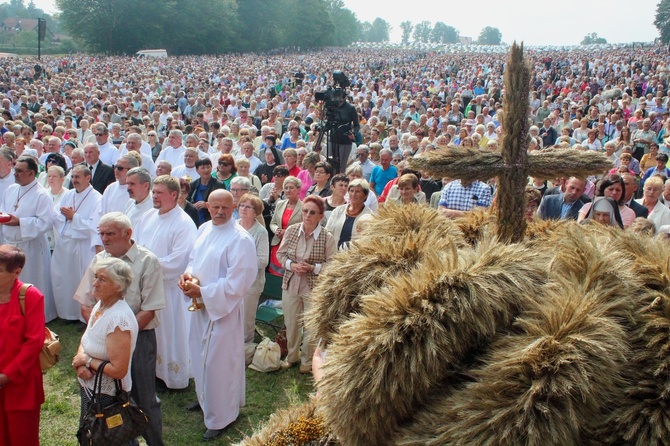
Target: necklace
(74, 200)
(21, 195)
(101, 310)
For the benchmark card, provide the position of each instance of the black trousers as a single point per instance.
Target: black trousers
(143, 392)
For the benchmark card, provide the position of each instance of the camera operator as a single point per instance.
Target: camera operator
(346, 126)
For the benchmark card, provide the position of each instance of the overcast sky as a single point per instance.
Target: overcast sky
(561, 22)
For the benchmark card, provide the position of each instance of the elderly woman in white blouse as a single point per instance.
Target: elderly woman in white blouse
(110, 335)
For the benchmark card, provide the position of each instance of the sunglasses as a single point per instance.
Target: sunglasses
(224, 164)
(120, 168)
(309, 212)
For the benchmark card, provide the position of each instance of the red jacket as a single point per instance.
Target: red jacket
(22, 340)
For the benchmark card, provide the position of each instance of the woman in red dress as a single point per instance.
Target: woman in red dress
(21, 391)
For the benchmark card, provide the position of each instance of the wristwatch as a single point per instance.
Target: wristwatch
(88, 363)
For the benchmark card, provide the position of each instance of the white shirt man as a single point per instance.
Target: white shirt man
(133, 144)
(363, 152)
(31, 209)
(77, 226)
(108, 152)
(6, 174)
(115, 198)
(188, 166)
(138, 182)
(170, 233)
(225, 263)
(174, 152)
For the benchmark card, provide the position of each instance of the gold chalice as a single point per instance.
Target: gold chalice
(195, 306)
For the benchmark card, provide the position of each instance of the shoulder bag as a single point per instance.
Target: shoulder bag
(51, 347)
(115, 424)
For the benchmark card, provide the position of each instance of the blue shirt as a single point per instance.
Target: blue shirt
(455, 196)
(381, 177)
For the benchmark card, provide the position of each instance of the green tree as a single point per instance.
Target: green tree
(593, 38)
(490, 36)
(117, 26)
(347, 27)
(406, 28)
(422, 31)
(379, 31)
(443, 33)
(204, 27)
(309, 29)
(662, 20)
(260, 30)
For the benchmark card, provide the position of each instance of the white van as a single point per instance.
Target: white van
(151, 53)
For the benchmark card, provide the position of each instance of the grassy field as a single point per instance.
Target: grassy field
(266, 392)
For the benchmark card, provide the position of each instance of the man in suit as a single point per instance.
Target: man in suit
(565, 205)
(102, 174)
(561, 184)
(632, 184)
(202, 187)
(548, 133)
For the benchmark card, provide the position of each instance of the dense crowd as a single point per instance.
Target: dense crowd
(207, 174)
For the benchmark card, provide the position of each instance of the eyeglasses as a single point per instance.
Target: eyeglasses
(120, 168)
(309, 212)
(99, 134)
(245, 206)
(238, 190)
(221, 163)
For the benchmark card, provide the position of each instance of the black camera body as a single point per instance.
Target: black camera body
(331, 100)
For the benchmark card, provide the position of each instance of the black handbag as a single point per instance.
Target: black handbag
(115, 424)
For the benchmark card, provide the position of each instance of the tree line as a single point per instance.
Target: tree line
(214, 26)
(440, 32)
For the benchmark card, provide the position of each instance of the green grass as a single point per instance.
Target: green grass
(266, 392)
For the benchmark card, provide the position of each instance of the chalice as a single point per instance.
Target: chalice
(195, 306)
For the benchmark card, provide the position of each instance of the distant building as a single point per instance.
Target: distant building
(14, 25)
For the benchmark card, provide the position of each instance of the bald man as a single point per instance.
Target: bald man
(224, 263)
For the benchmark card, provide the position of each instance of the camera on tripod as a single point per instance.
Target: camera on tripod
(331, 97)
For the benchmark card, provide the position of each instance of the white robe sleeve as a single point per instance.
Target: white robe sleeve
(182, 244)
(221, 297)
(33, 227)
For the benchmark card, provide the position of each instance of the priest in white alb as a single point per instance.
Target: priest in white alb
(6, 174)
(138, 182)
(170, 233)
(222, 268)
(29, 206)
(77, 226)
(116, 198)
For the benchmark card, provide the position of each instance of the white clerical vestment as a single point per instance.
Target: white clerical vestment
(182, 170)
(173, 156)
(109, 153)
(135, 211)
(170, 237)
(114, 199)
(31, 204)
(4, 185)
(147, 160)
(75, 248)
(224, 260)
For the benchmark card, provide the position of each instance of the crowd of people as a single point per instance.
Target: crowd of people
(135, 188)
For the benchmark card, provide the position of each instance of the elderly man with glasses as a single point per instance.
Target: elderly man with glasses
(108, 152)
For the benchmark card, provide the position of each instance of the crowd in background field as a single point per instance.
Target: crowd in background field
(236, 141)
